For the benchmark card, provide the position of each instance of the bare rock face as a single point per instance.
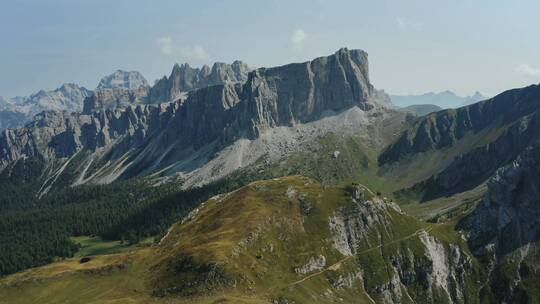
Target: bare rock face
(121, 89)
(438, 269)
(68, 97)
(507, 218)
(476, 139)
(184, 78)
(304, 92)
(443, 129)
(118, 91)
(504, 229)
(122, 79)
(17, 111)
(159, 136)
(115, 98)
(4, 104)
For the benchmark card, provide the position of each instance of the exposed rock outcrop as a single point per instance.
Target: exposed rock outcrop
(69, 97)
(122, 79)
(504, 229)
(507, 218)
(18, 111)
(439, 269)
(145, 138)
(184, 78)
(385, 256)
(122, 89)
(476, 140)
(115, 98)
(443, 129)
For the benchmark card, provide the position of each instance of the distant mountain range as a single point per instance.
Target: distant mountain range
(15, 112)
(119, 90)
(446, 99)
(421, 109)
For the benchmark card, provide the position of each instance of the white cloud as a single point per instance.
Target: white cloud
(194, 52)
(298, 40)
(528, 70)
(404, 24)
(401, 23)
(165, 45)
(191, 52)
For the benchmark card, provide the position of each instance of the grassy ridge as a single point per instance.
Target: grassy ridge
(243, 247)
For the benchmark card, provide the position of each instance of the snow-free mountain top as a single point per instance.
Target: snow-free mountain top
(123, 79)
(185, 78)
(182, 138)
(446, 99)
(119, 90)
(19, 110)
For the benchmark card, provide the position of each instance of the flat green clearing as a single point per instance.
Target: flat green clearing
(95, 245)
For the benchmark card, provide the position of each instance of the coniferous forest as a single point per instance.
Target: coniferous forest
(36, 230)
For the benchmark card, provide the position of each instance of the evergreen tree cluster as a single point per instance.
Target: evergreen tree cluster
(36, 230)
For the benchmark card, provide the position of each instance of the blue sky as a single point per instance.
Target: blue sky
(414, 46)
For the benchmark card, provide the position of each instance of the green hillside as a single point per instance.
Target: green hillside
(286, 240)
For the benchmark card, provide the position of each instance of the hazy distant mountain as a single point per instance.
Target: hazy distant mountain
(122, 79)
(69, 97)
(118, 90)
(446, 99)
(4, 104)
(19, 110)
(422, 109)
(122, 89)
(10, 118)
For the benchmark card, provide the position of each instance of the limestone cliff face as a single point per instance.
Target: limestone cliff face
(504, 229)
(437, 269)
(184, 78)
(17, 111)
(131, 80)
(122, 89)
(443, 129)
(476, 139)
(470, 169)
(115, 98)
(118, 91)
(507, 218)
(157, 136)
(303, 92)
(68, 97)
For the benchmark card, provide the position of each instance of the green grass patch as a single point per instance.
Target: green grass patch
(95, 245)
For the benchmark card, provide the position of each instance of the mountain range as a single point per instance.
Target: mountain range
(118, 90)
(446, 99)
(294, 184)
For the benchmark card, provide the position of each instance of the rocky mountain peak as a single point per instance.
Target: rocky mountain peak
(68, 97)
(19, 110)
(131, 80)
(185, 78)
(66, 87)
(4, 104)
(219, 114)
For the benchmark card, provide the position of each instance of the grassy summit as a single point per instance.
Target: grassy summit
(287, 239)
